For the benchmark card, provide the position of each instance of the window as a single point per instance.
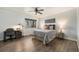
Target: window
(31, 23)
(51, 23)
(50, 20)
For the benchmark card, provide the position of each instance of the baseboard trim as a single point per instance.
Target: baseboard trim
(78, 44)
(68, 38)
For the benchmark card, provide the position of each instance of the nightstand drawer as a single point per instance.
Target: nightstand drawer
(60, 35)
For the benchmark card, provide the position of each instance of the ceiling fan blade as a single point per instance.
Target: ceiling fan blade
(39, 12)
(36, 10)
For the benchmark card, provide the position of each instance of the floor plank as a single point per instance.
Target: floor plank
(30, 44)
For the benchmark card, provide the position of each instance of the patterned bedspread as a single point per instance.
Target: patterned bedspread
(45, 35)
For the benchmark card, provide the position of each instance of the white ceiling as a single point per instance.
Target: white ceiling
(48, 11)
(51, 10)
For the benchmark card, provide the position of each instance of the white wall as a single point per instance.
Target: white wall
(78, 27)
(10, 17)
(68, 17)
(7, 19)
(70, 20)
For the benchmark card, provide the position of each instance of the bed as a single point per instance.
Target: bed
(45, 35)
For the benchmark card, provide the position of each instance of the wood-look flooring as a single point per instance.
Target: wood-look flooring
(30, 44)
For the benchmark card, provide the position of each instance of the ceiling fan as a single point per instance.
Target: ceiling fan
(36, 10)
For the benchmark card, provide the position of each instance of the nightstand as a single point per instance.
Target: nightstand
(60, 35)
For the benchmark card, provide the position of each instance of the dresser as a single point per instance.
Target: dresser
(11, 34)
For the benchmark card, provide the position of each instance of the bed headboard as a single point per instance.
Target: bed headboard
(51, 23)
